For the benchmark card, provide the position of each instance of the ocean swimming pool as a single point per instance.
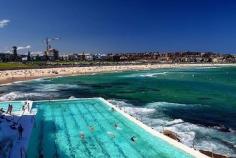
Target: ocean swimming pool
(59, 125)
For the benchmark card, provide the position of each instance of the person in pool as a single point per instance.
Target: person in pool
(133, 139)
(91, 128)
(112, 135)
(112, 109)
(82, 135)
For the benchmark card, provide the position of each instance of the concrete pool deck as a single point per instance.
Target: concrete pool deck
(176, 144)
(26, 119)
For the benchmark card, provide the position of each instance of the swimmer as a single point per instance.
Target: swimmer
(117, 126)
(112, 109)
(112, 135)
(91, 128)
(82, 135)
(133, 138)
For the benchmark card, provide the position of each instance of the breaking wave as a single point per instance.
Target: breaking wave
(54, 87)
(146, 74)
(153, 74)
(131, 108)
(20, 95)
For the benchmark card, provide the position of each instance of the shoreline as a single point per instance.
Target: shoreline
(11, 76)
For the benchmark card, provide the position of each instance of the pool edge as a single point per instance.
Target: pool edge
(155, 133)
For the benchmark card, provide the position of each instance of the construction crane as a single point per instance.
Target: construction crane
(48, 40)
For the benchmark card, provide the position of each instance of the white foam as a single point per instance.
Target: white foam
(164, 104)
(153, 74)
(215, 147)
(117, 102)
(175, 121)
(188, 132)
(132, 109)
(146, 74)
(18, 95)
(54, 87)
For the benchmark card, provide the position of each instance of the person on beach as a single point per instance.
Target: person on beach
(28, 107)
(8, 108)
(23, 107)
(11, 108)
(20, 131)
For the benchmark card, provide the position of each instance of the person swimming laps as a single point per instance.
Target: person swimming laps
(112, 135)
(91, 128)
(116, 125)
(82, 135)
(133, 139)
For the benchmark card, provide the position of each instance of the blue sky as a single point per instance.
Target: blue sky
(120, 25)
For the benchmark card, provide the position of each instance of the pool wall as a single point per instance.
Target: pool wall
(176, 144)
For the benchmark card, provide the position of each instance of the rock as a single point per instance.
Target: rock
(172, 135)
(213, 155)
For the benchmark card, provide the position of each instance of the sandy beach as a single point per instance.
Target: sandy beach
(10, 76)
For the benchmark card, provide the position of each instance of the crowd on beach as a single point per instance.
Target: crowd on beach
(9, 76)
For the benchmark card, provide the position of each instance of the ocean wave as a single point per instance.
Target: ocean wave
(20, 95)
(164, 104)
(201, 137)
(173, 122)
(153, 74)
(43, 79)
(207, 67)
(146, 74)
(54, 87)
(131, 108)
(118, 102)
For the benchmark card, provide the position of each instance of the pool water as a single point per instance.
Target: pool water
(60, 124)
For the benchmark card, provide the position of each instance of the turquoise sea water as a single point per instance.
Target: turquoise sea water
(197, 103)
(59, 125)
